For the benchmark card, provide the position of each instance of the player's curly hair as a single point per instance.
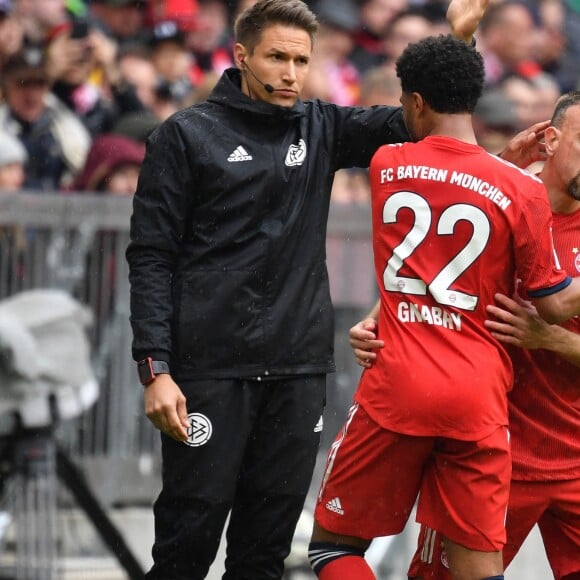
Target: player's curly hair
(445, 71)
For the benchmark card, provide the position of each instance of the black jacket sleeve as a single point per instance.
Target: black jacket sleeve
(362, 130)
(161, 210)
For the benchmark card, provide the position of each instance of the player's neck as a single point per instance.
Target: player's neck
(457, 126)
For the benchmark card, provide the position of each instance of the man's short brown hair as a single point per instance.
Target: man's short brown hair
(252, 22)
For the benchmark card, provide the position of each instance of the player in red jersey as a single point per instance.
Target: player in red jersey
(544, 405)
(450, 223)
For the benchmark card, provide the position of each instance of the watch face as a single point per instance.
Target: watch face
(148, 369)
(145, 371)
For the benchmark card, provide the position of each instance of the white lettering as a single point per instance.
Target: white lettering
(415, 314)
(447, 320)
(403, 312)
(482, 187)
(419, 172)
(434, 315)
(437, 316)
(504, 203)
(386, 175)
(426, 313)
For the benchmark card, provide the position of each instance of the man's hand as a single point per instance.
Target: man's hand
(464, 16)
(363, 340)
(517, 323)
(527, 146)
(105, 54)
(165, 407)
(63, 53)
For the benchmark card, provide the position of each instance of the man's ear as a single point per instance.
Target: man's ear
(418, 102)
(239, 54)
(551, 139)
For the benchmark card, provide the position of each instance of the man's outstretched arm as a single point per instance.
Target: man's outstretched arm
(464, 17)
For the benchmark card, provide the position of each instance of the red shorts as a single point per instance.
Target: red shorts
(553, 505)
(373, 476)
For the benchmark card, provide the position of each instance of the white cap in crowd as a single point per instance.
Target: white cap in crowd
(11, 150)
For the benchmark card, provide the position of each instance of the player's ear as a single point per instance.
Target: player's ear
(551, 139)
(239, 54)
(418, 102)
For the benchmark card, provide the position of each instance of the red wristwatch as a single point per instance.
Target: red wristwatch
(148, 369)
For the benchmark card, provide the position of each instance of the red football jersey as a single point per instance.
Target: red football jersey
(450, 223)
(544, 405)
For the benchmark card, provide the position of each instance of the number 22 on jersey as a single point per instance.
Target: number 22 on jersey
(440, 287)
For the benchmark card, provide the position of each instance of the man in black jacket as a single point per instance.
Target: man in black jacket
(230, 304)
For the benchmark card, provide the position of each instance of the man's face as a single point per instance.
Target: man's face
(25, 97)
(280, 59)
(171, 60)
(123, 180)
(11, 177)
(140, 73)
(124, 21)
(567, 155)
(511, 39)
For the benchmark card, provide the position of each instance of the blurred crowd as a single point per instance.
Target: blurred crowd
(84, 82)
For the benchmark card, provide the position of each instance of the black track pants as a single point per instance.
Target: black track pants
(252, 450)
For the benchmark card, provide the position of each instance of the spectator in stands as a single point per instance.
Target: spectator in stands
(556, 46)
(136, 126)
(375, 16)
(182, 12)
(494, 120)
(56, 141)
(13, 157)
(406, 27)
(550, 39)
(334, 43)
(112, 166)
(547, 92)
(40, 18)
(203, 90)
(135, 67)
(122, 20)
(172, 63)
(380, 86)
(158, 97)
(569, 69)
(87, 79)
(11, 33)
(526, 98)
(210, 40)
(506, 40)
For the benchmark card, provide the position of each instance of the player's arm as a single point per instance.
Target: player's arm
(464, 16)
(518, 323)
(561, 305)
(363, 338)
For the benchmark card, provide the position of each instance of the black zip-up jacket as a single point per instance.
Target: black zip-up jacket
(227, 256)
